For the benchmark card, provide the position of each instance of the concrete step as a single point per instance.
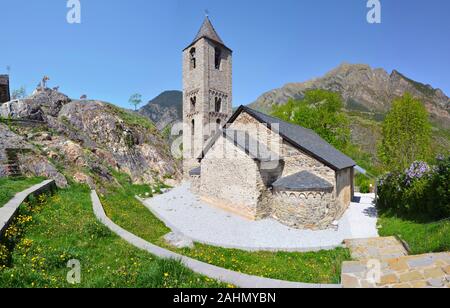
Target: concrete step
(376, 248)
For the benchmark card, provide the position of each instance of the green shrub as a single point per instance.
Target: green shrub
(420, 193)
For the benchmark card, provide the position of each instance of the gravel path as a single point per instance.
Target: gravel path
(184, 213)
(237, 279)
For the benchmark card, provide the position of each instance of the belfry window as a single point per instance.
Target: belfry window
(193, 127)
(217, 57)
(193, 59)
(218, 104)
(218, 124)
(193, 103)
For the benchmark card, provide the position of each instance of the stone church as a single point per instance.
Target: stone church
(249, 163)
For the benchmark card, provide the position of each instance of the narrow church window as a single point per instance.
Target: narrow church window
(217, 57)
(218, 124)
(193, 128)
(218, 104)
(193, 103)
(193, 58)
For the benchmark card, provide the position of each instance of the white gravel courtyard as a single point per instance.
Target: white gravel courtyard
(185, 214)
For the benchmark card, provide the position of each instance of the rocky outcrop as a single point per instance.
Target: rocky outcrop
(86, 140)
(364, 89)
(40, 105)
(30, 161)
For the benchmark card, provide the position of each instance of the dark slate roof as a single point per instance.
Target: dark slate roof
(250, 146)
(304, 139)
(207, 31)
(302, 181)
(196, 171)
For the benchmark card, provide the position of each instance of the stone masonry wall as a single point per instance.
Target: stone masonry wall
(344, 189)
(195, 184)
(231, 182)
(205, 83)
(304, 210)
(294, 160)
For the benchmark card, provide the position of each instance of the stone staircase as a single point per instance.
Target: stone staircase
(10, 162)
(385, 263)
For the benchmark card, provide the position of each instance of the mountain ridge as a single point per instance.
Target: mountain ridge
(165, 109)
(363, 87)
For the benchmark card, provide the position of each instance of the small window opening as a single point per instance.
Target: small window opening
(193, 58)
(218, 104)
(193, 103)
(218, 58)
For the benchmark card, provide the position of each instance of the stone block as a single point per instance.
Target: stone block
(350, 282)
(419, 284)
(411, 276)
(398, 265)
(433, 273)
(446, 269)
(389, 279)
(402, 286)
(178, 240)
(435, 283)
(423, 261)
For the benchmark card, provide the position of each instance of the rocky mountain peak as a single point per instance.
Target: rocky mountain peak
(364, 89)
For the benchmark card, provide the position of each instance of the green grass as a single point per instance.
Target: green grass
(133, 118)
(315, 267)
(421, 238)
(9, 187)
(64, 228)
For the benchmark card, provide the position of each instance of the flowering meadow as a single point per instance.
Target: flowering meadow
(52, 230)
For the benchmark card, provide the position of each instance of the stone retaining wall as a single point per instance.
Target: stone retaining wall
(9, 211)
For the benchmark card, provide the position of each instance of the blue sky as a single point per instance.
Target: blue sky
(124, 47)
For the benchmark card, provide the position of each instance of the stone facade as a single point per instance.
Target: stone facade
(207, 95)
(233, 180)
(4, 89)
(304, 210)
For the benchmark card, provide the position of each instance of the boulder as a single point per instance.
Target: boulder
(178, 240)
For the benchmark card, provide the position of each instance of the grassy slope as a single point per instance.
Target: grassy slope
(422, 238)
(66, 229)
(316, 267)
(9, 187)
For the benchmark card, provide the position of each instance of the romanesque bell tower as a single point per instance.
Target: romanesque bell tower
(207, 91)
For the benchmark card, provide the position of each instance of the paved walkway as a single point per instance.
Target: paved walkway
(214, 272)
(184, 213)
(9, 210)
(422, 271)
(376, 248)
(384, 263)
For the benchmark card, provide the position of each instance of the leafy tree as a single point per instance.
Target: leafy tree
(19, 93)
(406, 134)
(320, 111)
(135, 100)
